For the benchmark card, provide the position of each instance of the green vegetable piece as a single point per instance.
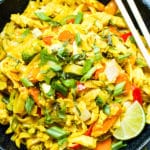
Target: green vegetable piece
(70, 83)
(99, 101)
(56, 132)
(55, 66)
(78, 57)
(42, 16)
(62, 141)
(106, 109)
(118, 145)
(58, 86)
(45, 57)
(64, 21)
(141, 62)
(73, 69)
(87, 65)
(78, 39)
(62, 112)
(29, 105)
(89, 74)
(27, 56)
(124, 56)
(78, 18)
(119, 89)
(25, 33)
(25, 81)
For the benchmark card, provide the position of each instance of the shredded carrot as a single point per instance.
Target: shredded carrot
(114, 31)
(66, 36)
(47, 40)
(70, 20)
(121, 78)
(98, 71)
(100, 129)
(34, 92)
(104, 145)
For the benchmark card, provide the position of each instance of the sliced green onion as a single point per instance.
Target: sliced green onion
(87, 65)
(58, 86)
(55, 66)
(119, 89)
(42, 16)
(89, 74)
(118, 145)
(56, 132)
(78, 18)
(29, 104)
(25, 81)
(70, 83)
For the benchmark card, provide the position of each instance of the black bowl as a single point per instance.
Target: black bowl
(15, 6)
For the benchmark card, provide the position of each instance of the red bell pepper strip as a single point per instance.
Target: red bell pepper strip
(39, 111)
(125, 36)
(137, 95)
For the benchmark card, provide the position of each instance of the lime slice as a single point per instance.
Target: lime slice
(132, 123)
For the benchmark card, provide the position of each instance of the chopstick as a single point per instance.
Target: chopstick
(133, 29)
(139, 20)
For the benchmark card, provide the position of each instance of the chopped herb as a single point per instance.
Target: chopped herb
(29, 104)
(45, 57)
(78, 57)
(25, 33)
(78, 39)
(99, 101)
(124, 56)
(26, 82)
(62, 113)
(48, 118)
(119, 89)
(141, 62)
(109, 39)
(62, 141)
(131, 38)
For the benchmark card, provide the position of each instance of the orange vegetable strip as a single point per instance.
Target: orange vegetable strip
(47, 40)
(99, 129)
(34, 92)
(66, 36)
(104, 145)
(121, 78)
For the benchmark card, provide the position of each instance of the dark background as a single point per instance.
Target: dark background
(17, 6)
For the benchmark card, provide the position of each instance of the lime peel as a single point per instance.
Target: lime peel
(132, 123)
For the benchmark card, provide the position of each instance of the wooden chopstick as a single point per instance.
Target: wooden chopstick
(134, 31)
(139, 20)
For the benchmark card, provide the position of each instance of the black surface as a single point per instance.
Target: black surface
(8, 7)
(14, 6)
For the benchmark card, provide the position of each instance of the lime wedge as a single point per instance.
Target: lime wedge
(132, 123)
